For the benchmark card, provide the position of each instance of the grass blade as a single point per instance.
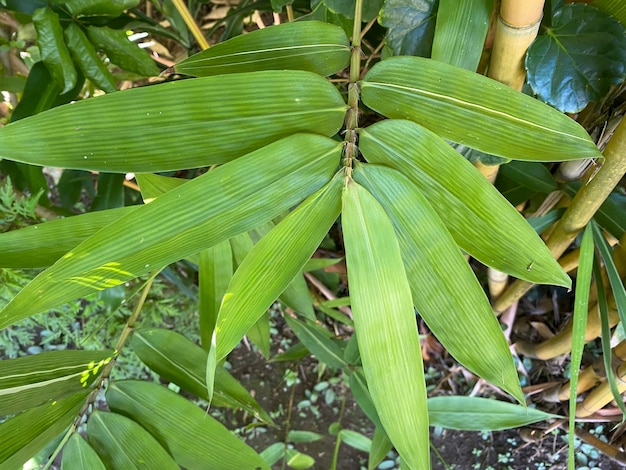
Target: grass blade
(583, 284)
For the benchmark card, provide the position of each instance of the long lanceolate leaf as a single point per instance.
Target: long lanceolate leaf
(201, 213)
(460, 32)
(41, 245)
(182, 124)
(481, 221)
(385, 325)
(273, 263)
(196, 440)
(445, 291)
(24, 435)
(318, 47)
(28, 381)
(474, 110)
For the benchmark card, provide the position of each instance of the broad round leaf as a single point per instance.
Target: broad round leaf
(54, 52)
(41, 245)
(473, 110)
(182, 124)
(318, 47)
(385, 324)
(411, 25)
(122, 444)
(201, 213)
(194, 438)
(445, 291)
(481, 221)
(578, 59)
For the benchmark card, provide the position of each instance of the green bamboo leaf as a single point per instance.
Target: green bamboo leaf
(294, 353)
(146, 129)
(178, 360)
(297, 460)
(296, 295)
(360, 392)
(28, 381)
(24, 435)
(233, 200)
(97, 7)
(122, 51)
(381, 445)
(87, 59)
(259, 334)
(318, 47)
(303, 436)
(579, 322)
(182, 427)
(481, 414)
(273, 263)
(444, 288)
(215, 272)
(356, 440)
(617, 286)
(152, 186)
(531, 175)
(385, 325)
(481, 221)
(123, 444)
(41, 245)
(273, 453)
(605, 335)
(460, 32)
(473, 110)
(54, 52)
(318, 342)
(78, 455)
(617, 8)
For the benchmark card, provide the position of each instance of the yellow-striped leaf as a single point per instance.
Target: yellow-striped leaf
(318, 47)
(274, 262)
(201, 213)
(481, 221)
(24, 435)
(182, 124)
(445, 291)
(385, 325)
(473, 110)
(28, 381)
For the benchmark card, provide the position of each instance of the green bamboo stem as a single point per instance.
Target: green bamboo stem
(583, 207)
(352, 115)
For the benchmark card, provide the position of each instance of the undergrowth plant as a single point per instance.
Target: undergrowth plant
(288, 157)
